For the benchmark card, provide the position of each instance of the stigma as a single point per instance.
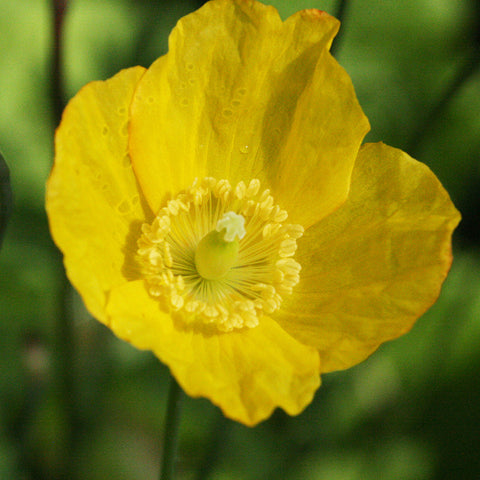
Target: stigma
(234, 226)
(219, 256)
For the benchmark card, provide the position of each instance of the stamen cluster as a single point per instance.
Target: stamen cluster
(263, 273)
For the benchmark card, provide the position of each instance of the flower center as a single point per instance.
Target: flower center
(217, 251)
(220, 255)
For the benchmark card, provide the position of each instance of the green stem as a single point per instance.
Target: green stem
(464, 73)
(215, 446)
(58, 9)
(64, 370)
(340, 15)
(5, 197)
(64, 339)
(172, 424)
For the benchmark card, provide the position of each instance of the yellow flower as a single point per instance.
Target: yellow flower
(219, 210)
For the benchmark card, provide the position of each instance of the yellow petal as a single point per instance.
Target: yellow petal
(371, 268)
(93, 202)
(243, 95)
(246, 373)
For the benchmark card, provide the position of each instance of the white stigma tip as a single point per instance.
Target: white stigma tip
(234, 225)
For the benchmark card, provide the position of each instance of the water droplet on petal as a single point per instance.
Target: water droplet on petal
(236, 103)
(227, 112)
(123, 207)
(242, 91)
(126, 161)
(244, 149)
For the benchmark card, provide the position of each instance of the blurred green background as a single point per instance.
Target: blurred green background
(411, 411)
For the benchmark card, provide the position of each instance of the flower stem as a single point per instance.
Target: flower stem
(58, 9)
(64, 339)
(170, 438)
(339, 14)
(5, 197)
(464, 73)
(215, 445)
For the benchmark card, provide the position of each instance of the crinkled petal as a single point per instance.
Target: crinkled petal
(246, 373)
(93, 201)
(243, 95)
(371, 268)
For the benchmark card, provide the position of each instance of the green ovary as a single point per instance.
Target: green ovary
(217, 251)
(215, 256)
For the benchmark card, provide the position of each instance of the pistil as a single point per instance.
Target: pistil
(217, 252)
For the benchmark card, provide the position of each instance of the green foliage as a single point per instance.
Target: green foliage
(409, 412)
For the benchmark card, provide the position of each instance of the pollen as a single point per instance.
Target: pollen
(220, 255)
